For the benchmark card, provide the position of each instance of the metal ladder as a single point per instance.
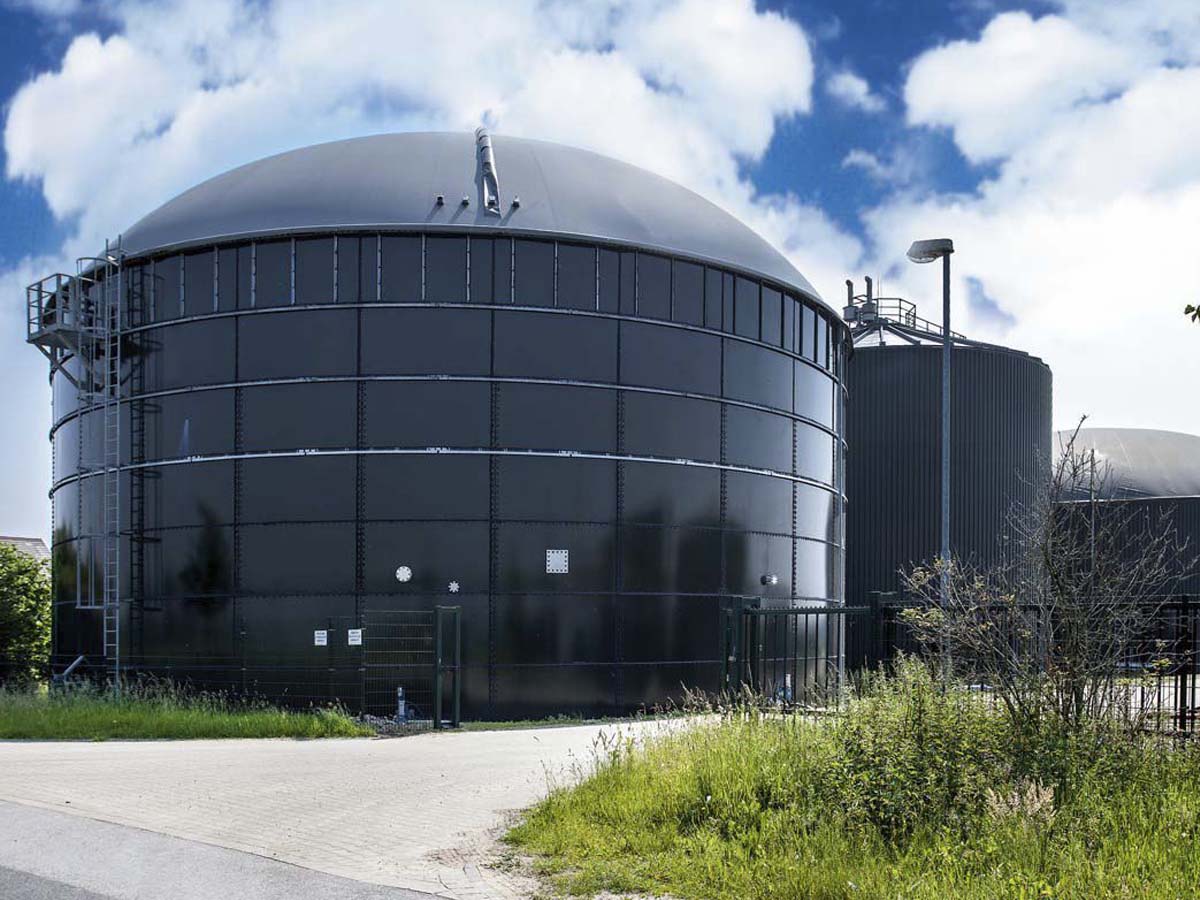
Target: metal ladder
(100, 280)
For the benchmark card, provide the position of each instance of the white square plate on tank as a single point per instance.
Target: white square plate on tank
(558, 562)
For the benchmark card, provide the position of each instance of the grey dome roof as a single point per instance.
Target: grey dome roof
(391, 180)
(1141, 462)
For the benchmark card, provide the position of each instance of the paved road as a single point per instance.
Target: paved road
(47, 855)
(16, 885)
(418, 812)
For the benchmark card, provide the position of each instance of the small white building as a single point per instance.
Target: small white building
(34, 547)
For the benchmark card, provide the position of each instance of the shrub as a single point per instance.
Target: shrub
(24, 617)
(913, 753)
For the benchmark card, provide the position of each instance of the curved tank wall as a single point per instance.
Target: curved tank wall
(310, 412)
(1153, 474)
(1000, 417)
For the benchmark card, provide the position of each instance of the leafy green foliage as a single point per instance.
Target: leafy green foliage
(24, 616)
(1192, 312)
(911, 754)
(85, 712)
(916, 791)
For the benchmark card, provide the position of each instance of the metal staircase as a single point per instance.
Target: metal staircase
(81, 317)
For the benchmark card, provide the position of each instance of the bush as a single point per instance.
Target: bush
(24, 617)
(911, 753)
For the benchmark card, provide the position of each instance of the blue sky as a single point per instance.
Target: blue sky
(1054, 140)
(877, 38)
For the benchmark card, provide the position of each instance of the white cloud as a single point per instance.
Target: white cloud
(1015, 79)
(900, 166)
(854, 91)
(688, 88)
(183, 90)
(1085, 238)
(1163, 29)
(868, 162)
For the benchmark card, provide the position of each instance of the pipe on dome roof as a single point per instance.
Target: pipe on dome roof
(487, 164)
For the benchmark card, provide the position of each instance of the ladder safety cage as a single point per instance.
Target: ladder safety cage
(81, 317)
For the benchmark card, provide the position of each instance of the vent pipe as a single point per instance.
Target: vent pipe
(850, 311)
(487, 167)
(869, 309)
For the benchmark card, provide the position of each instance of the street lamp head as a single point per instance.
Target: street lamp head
(928, 251)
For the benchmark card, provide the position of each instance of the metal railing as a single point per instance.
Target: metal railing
(797, 657)
(1156, 682)
(866, 312)
(804, 657)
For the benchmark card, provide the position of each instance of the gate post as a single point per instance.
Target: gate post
(440, 614)
(437, 667)
(873, 638)
(457, 720)
(726, 645)
(734, 633)
(1184, 686)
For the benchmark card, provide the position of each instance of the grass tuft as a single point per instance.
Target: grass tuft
(915, 792)
(159, 712)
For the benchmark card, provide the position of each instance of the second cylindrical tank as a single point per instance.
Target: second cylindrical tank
(1000, 445)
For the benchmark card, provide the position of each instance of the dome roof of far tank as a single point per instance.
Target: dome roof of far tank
(391, 181)
(1141, 462)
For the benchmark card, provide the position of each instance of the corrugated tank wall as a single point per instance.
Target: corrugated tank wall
(1000, 448)
(1146, 516)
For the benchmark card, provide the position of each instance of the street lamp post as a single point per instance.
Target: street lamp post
(927, 252)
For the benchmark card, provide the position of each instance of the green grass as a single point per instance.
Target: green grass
(914, 793)
(158, 713)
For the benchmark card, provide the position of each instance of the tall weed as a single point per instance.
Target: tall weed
(911, 752)
(916, 790)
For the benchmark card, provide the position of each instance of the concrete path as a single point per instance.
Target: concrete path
(419, 812)
(58, 856)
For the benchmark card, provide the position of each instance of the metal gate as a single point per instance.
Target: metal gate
(795, 657)
(412, 664)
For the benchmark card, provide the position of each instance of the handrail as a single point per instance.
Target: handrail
(868, 311)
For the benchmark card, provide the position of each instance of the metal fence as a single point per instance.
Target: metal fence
(1157, 681)
(412, 664)
(797, 656)
(408, 664)
(805, 657)
(400, 665)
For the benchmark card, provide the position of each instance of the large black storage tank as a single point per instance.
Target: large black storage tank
(380, 375)
(1153, 476)
(1000, 445)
